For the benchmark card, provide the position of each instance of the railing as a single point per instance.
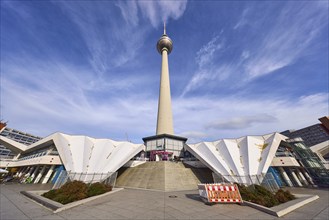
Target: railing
(266, 180)
(284, 154)
(39, 154)
(325, 164)
(88, 178)
(321, 181)
(6, 158)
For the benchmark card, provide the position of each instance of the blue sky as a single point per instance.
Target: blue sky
(91, 67)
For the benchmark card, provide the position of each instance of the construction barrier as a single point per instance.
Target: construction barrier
(220, 192)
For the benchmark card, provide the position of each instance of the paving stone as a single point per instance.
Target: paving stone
(146, 204)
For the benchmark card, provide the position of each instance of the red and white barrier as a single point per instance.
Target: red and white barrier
(224, 193)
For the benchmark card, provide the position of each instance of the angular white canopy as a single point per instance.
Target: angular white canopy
(82, 154)
(238, 160)
(89, 155)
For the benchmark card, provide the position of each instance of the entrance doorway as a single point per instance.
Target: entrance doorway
(157, 155)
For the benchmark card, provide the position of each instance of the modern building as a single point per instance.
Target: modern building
(16, 135)
(165, 161)
(44, 160)
(315, 137)
(296, 165)
(243, 160)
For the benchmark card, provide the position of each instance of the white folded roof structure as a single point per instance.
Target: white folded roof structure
(238, 160)
(89, 155)
(82, 154)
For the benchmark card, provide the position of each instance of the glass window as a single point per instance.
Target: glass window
(160, 142)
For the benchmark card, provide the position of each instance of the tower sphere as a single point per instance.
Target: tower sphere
(164, 42)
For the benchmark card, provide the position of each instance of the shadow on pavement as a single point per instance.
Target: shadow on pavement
(195, 197)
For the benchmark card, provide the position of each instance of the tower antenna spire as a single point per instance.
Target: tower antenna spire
(164, 28)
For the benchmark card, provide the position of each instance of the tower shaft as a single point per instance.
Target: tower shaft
(164, 121)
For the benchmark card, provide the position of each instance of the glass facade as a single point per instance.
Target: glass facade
(167, 147)
(18, 136)
(311, 135)
(310, 161)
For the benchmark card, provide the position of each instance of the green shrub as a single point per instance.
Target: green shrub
(73, 187)
(246, 193)
(266, 196)
(76, 190)
(289, 195)
(70, 192)
(62, 198)
(97, 189)
(50, 194)
(260, 190)
(260, 195)
(280, 196)
(284, 196)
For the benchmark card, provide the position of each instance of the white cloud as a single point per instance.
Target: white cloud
(207, 75)
(159, 11)
(221, 117)
(60, 101)
(206, 68)
(105, 55)
(241, 122)
(245, 55)
(194, 136)
(243, 20)
(296, 27)
(205, 55)
(98, 28)
(278, 46)
(129, 11)
(174, 9)
(155, 11)
(59, 95)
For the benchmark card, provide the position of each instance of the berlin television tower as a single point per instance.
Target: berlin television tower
(164, 121)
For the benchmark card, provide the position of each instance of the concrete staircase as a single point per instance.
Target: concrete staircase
(164, 176)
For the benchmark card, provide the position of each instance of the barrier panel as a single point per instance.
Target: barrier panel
(220, 193)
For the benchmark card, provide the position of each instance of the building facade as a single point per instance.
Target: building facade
(315, 137)
(296, 165)
(16, 135)
(43, 161)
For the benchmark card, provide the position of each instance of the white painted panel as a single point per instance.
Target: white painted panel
(76, 145)
(242, 142)
(208, 151)
(233, 153)
(102, 149)
(255, 144)
(87, 153)
(269, 152)
(62, 145)
(249, 155)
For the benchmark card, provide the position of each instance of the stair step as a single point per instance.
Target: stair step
(163, 175)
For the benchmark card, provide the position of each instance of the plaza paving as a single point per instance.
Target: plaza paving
(145, 204)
